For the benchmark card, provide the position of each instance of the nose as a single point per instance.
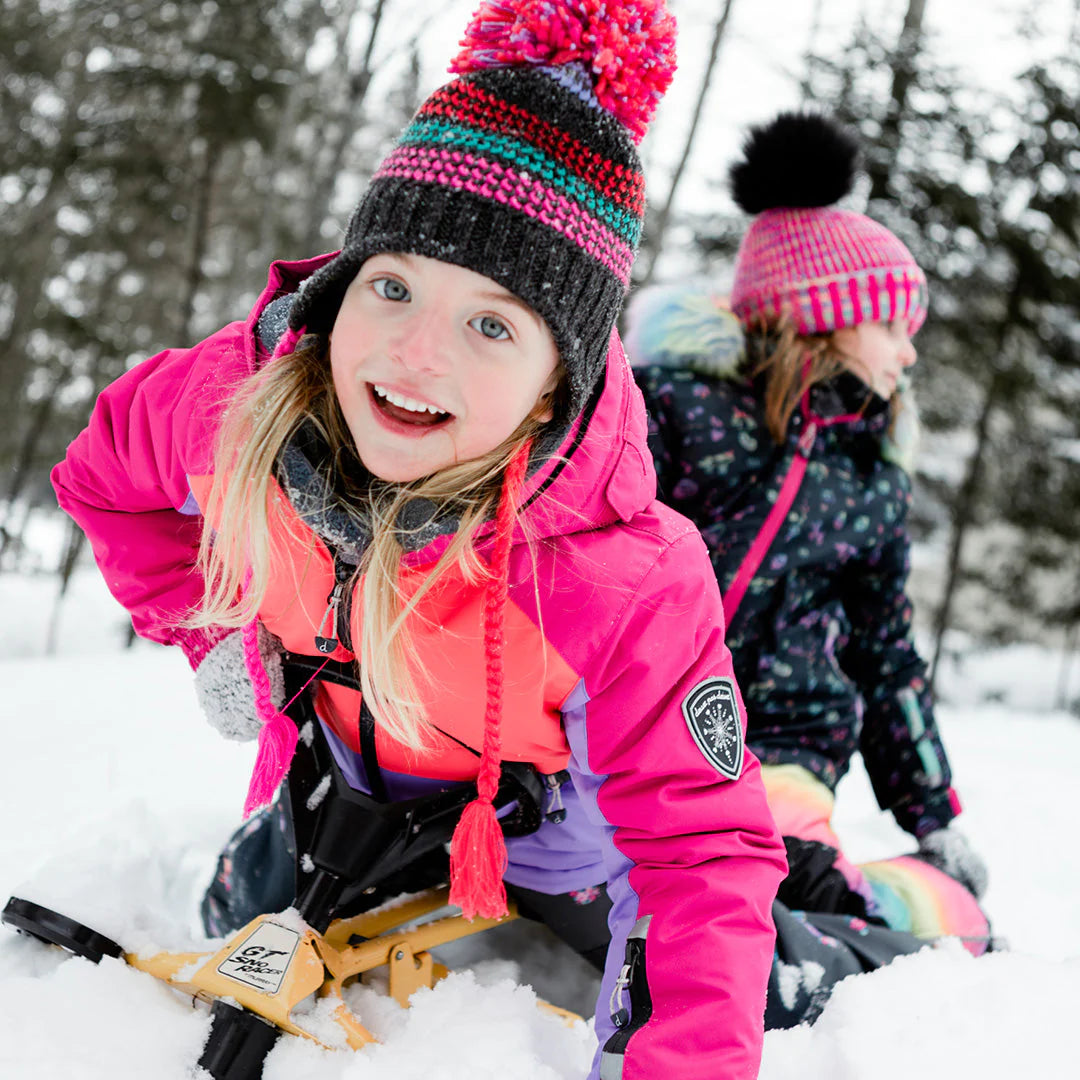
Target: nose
(420, 343)
(908, 355)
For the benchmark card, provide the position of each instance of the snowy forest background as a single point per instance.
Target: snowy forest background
(154, 157)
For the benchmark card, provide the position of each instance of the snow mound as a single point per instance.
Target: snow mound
(937, 1014)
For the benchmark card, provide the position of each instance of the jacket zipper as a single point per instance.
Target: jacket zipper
(628, 1017)
(332, 623)
(759, 546)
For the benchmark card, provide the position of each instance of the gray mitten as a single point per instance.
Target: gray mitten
(224, 689)
(951, 852)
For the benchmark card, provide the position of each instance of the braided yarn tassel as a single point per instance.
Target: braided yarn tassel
(478, 849)
(277, 736)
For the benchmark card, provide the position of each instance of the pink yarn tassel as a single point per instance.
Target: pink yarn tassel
(478, 849)
(277, 744)
(278, 735)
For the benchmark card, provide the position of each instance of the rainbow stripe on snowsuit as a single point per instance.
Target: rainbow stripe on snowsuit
(905, 892)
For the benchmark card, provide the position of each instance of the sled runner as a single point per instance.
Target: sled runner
(274, 974)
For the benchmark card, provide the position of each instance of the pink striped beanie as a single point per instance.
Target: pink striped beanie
(824, 267)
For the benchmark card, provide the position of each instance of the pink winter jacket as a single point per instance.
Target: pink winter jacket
(667, 806)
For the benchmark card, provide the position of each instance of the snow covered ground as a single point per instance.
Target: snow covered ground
(116, 797)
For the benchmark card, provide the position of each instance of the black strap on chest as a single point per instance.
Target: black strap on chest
(370, 755)
(344, 674)
(348, 841)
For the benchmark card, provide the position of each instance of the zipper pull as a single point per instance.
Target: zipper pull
(806, 439)
(620, 1014)
(327, 645)
(555, 812)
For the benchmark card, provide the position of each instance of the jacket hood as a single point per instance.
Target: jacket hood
(592, 473)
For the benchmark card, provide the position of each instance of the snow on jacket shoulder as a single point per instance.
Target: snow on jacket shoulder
(618, 601)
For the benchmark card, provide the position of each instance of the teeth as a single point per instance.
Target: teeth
(403, 402)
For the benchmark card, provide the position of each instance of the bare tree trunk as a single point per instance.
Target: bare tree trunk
(963, 515)
(271, 234)
(270, 219)
(904, 56)
(655, 242)
(15, 531)
(1063, 698)
(29, 262)
(322, 189)
(200, 235)
(76, 539)
(963, 509)
(811, 46)
(24, 460)
(1071, 639)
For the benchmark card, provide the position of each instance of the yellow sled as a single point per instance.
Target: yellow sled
(272, 975)
(269, 976)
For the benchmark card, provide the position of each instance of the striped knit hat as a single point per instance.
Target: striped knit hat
(525, 169)
(802, 258)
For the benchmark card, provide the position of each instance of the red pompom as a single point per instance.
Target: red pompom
(628, 46)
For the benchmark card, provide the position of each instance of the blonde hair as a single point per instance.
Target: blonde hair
(792, 363)
(264, 415)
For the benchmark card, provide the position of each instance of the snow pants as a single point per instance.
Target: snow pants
(256, 874)
(835, 919)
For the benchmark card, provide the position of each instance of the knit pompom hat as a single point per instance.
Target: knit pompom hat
(804, 259)
(525, 169)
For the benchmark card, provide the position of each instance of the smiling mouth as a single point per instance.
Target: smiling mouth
(405, 410)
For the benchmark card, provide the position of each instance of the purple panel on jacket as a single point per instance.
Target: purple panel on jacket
(399, 786)
(191, 506)
(615, 870)
(558, 858)
(561, 857)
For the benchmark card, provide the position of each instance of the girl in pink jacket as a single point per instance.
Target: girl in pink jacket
(419, 469)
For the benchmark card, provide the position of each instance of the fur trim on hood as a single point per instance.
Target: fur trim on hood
(689, 325)
(684, 326)
(901, 444)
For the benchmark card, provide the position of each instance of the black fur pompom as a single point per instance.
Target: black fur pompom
(799, 159)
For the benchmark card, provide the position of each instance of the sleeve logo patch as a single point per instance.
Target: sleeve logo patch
(711, 710)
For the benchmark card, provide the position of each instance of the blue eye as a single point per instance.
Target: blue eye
(390, 289)
(492, 328)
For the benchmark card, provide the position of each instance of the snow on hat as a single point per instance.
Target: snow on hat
(525, 169)
(803, 258)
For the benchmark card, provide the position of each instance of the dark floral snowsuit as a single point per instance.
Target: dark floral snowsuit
(823, 652)
(823, 638)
